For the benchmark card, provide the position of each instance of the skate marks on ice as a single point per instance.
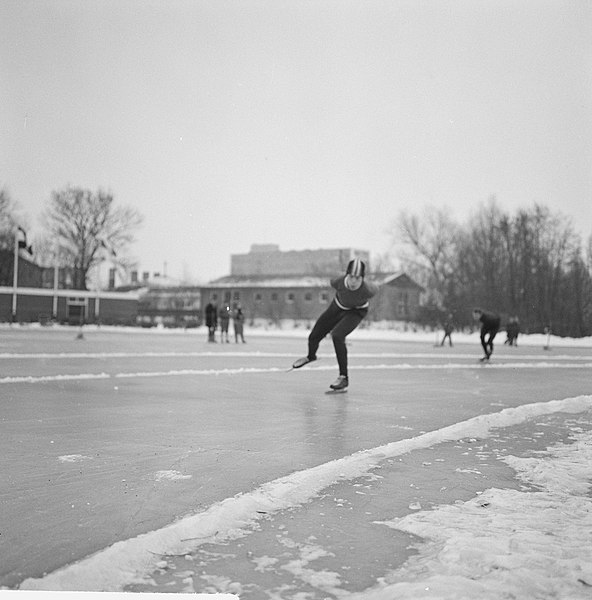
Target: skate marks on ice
(566, 362)
(281, 355)
(130, 561)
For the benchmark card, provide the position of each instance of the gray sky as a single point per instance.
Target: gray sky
(309, 124)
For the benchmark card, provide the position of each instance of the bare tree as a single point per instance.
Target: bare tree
(87, 227)
(428, 248)
(7, 220)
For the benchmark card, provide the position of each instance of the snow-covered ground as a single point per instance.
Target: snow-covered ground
(527, 541)
(385, 330)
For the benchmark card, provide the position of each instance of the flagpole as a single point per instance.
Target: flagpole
(15, 275)
(55, 287)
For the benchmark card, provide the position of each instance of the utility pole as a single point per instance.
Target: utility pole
(18, 244)
(15, 274)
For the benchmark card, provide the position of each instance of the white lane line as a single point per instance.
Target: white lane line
(126, 561)
(42, 378)
(48, 355)
(233, 354)
(250, 370)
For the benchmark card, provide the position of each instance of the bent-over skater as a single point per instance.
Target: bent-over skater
(490, 324)
(344, 314)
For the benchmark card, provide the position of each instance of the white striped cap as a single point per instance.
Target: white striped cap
(356, 267)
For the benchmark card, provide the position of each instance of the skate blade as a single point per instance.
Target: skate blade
(331, 392)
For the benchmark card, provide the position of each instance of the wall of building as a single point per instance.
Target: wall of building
(36, 305)
(171, 307)
(395, 303)
(273, 303)
(269, 260)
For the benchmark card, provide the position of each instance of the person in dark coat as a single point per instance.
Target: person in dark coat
(239, 322)
(211, 321)
(448, 329)
(224, 316)
(490, 324)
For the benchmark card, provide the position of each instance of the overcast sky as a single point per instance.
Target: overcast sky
(309, 124)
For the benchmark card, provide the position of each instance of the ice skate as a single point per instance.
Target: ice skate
(340, 384)
(303, 361)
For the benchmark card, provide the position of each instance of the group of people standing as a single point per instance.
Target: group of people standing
(222, 316)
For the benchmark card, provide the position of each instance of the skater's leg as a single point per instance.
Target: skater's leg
(325, 323)
(492, 335)
(483, 343)
(349, 321)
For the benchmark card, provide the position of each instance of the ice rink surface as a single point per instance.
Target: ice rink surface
(142, 461)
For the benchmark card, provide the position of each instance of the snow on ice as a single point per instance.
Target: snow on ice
(526, 543)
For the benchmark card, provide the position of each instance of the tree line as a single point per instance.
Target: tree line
(81, 228)
(530, 264)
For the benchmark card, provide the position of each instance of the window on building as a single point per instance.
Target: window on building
(274, 296)
(308, 297)
(324, 297)
(290, 297)
(236, 296)
(214, 297)
(226, 297)
(258, 298)
(403, 304)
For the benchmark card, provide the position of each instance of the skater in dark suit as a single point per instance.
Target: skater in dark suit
(490, 324)
(512, 331)
(344, 314)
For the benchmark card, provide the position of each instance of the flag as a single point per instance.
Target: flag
(23, 243)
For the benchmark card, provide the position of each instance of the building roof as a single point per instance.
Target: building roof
(268, 281)
(400, 279)
(305, 281)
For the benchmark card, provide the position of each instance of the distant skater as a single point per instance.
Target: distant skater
(512, 331)
(448, 329)
(490, 324)
(344, 314)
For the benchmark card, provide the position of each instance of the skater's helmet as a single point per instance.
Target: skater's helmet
(356, 267)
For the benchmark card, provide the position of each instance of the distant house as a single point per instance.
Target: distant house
(274, 285)
(398, 299)
(272, 298)
(178, 306)
(41, 296)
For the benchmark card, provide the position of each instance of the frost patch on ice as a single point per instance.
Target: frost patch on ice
(264, 563)
(505, 543)
(327, 581)
(171, 475)
(216, 583)
(73, 458)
